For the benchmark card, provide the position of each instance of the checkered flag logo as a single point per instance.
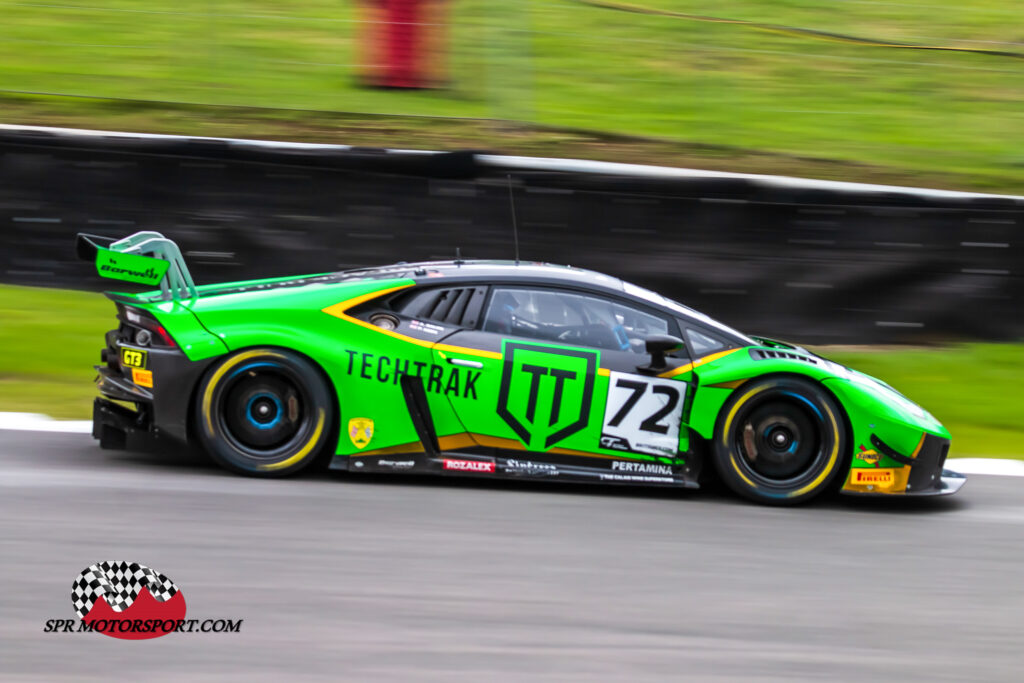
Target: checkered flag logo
(119, 583)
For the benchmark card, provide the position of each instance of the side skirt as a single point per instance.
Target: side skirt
(523, 465)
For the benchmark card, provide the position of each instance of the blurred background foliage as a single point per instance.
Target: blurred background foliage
(735, 95)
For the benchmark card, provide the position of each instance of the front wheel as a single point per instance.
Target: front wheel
(780, 441)
(264, 412)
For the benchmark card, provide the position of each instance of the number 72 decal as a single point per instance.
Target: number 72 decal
(642, 414)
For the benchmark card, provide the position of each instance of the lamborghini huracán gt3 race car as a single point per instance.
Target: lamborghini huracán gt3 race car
(492, 369)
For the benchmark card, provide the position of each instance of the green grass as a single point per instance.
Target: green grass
(50, 339)
(730, 92)
(973, 389)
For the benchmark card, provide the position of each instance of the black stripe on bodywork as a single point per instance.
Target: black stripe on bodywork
(419, 410)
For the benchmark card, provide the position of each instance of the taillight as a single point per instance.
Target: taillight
(143, 329)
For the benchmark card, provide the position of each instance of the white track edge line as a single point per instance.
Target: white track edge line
(34, 422)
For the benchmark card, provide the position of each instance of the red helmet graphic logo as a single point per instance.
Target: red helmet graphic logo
(127, 600)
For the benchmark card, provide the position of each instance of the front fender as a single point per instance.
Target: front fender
(883, 421)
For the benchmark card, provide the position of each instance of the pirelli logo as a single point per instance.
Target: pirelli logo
(873, 477)
(144, 378)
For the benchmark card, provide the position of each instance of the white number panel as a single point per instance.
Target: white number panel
(643, 414)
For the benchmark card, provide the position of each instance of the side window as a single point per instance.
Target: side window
(450, 305)
(564, 317)
(701, 343)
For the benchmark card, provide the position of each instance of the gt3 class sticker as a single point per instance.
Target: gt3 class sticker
(642, 414)
(133, 358)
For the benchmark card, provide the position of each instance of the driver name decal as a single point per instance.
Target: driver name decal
(546, 391)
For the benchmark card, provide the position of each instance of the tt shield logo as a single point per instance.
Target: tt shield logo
(546, 392)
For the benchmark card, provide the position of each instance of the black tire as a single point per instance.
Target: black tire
(780, 441)
(264, 412)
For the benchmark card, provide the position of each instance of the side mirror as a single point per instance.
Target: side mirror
(658, 345)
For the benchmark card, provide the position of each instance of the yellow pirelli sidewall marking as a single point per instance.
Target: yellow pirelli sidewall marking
(340, 310)
(735, 409)
(212, 385)
(320, 420)
(728, 426)
(833, 457)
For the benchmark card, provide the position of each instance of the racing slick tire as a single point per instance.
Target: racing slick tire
(264, 412)
(780, 441)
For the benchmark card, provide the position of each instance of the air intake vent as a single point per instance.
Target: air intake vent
(449, 306)
(766, 354)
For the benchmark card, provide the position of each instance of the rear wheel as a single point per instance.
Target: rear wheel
(780, 441)
(264, 412)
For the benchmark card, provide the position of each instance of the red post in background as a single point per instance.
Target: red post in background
(403, 43)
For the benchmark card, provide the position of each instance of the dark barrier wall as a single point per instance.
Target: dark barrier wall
(815, 266)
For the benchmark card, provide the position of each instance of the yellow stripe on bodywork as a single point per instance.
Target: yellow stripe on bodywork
(411, 447)
(920, 444)
(726, 385)
(674, 372)
(340, 310)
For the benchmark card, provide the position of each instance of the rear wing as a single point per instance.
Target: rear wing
(146, 258)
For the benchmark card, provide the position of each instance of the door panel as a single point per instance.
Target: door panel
(564, 399)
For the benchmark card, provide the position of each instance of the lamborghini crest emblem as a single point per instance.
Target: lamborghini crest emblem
(360, 430)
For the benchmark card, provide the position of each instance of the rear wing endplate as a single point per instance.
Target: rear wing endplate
(146, 258)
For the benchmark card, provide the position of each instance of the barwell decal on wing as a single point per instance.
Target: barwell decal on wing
(130, 267)
(546, 392)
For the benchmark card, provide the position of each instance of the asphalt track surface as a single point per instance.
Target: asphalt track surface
(388, 578)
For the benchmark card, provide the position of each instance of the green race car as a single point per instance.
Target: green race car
(491, 368)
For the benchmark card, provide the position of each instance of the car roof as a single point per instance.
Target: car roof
(492, 271)
(479, 271)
